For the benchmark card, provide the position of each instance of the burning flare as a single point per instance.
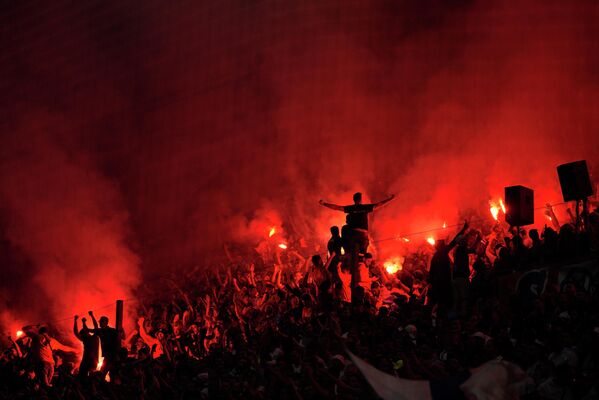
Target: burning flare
(100, 363)
(272, 231)
(20, 333)
(393, 265)
(283, 246)
(431, 240)
(494, 212)
(495, 207)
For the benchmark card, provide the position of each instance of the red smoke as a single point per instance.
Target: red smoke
(155, 135)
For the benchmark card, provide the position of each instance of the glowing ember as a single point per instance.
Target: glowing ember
(283, 246)
(20, 333)
(342, 251)
(406, 240)
(393, 265)
(272, 231)
(100, 362)
(431, 240)
(444, 225)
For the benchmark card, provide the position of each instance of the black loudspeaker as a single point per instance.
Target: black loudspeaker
(575, 180)
(520, 206)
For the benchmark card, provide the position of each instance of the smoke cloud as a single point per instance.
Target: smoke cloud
(146, 136)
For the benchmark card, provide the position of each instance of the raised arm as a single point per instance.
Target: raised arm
(383, 202)
(332, 206)
(84, 323)
(91, 314)
(75, 328)
(461, 232)
(16, 346)
(329, 260)
(552, 217)
(252, 275)
(150, 341)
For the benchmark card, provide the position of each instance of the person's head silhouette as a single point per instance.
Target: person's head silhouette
(335, 230)
(103, 322)
(357, 198)
(317, 260)
(440, 245)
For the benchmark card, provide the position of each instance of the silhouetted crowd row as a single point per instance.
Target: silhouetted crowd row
(281, 329)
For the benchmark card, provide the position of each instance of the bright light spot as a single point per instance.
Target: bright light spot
(431, 240)
(20, 333)
(406, 240)
(444, 225)
(393, 265)
(342, 251)
(272, 231)
(283, 246)
(100, 363)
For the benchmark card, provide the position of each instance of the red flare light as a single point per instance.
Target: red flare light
(393, 265)
(100, 363)
(444, 225)
(494, 212)
(431, 240)
(495, 207)
(20, 333)
(283, 246)
(272, 231)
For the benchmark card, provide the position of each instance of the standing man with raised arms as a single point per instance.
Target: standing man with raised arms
(357, 218)
(357, 223)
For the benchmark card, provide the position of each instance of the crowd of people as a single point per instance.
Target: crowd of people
(282, 328)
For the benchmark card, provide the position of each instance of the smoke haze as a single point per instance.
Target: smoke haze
(138, 138)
